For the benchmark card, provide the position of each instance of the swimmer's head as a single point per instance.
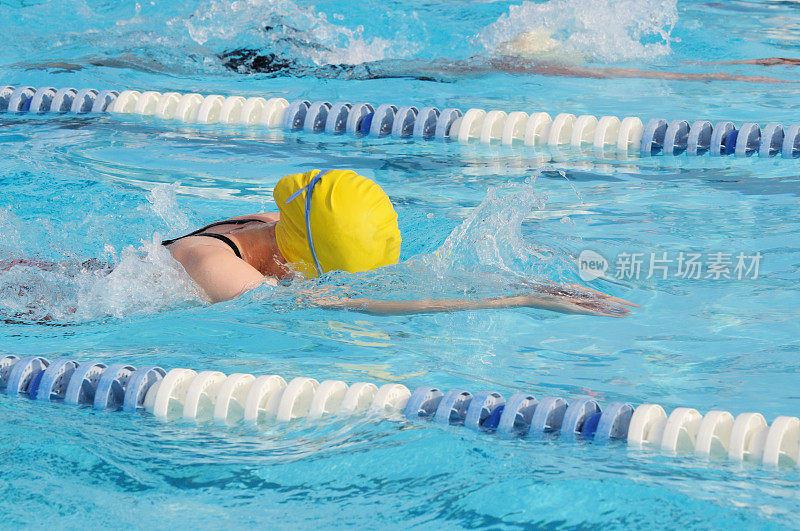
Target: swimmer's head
(537, 44)
(353, 224)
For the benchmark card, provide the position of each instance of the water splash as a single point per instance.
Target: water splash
(581, 30)
(185, 38)
(142, 280)
(163, 199)
(490, 241)
(282, 27)
(490, 238)
(490, 253)
(138, 279)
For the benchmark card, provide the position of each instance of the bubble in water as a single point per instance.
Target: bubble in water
(578, 30)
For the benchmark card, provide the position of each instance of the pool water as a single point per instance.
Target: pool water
(476, 220)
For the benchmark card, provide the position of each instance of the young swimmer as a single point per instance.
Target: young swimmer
(337, 220)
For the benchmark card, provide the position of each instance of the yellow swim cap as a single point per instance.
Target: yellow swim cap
(353, 224)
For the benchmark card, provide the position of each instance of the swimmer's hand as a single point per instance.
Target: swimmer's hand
(606, 306)
(600, 295)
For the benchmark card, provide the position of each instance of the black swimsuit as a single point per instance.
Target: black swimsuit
(220, 237)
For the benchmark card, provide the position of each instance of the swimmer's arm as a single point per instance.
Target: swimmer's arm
(517, 66)
(217, 271)
(766, 61)
(599, 304)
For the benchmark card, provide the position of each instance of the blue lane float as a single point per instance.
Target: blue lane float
(517, 414)
(719, 138)
(791, 142)
(628, 136)
(453, 407)
(577, 415)
(613, 422)
(23, 372)
(83, 383)
(138, 384)
(480, 409)
(55, 380)
(244, 398)
(357, 114)
(771, 140)
(547, 416)
(699, 140)
(676, 137)
(110, 391)
(653, 136)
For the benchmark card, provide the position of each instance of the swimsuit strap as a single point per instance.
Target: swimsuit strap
(224, 239)
(215, 224)
(220, 237)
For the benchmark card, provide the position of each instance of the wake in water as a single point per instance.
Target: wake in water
(484, 256)
(556, 32)
(186, 38)
(281, 38)
(278, 36)
(583, 30)
(556, 38)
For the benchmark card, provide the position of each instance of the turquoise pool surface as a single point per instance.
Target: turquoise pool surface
(476, 220)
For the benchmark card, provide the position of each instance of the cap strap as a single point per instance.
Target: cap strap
(309, 189)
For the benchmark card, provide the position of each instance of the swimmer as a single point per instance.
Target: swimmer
(254, 61)
(533, 53)
(259, 61)
(338, 220)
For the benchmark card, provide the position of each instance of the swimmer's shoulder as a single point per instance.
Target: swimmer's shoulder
(190, 249)
(266, 217)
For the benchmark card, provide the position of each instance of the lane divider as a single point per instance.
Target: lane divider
(538, 129)
(244, 398)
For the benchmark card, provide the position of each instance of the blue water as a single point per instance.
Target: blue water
(109, 188)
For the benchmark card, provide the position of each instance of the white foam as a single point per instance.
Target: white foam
(143, 279)
(300, 32)
(578, 30)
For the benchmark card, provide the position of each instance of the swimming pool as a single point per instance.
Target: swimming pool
(80, 187)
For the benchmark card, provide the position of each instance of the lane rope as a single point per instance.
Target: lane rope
(604, 136)
(245, 398)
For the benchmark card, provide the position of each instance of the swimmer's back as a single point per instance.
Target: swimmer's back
(220, 231)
